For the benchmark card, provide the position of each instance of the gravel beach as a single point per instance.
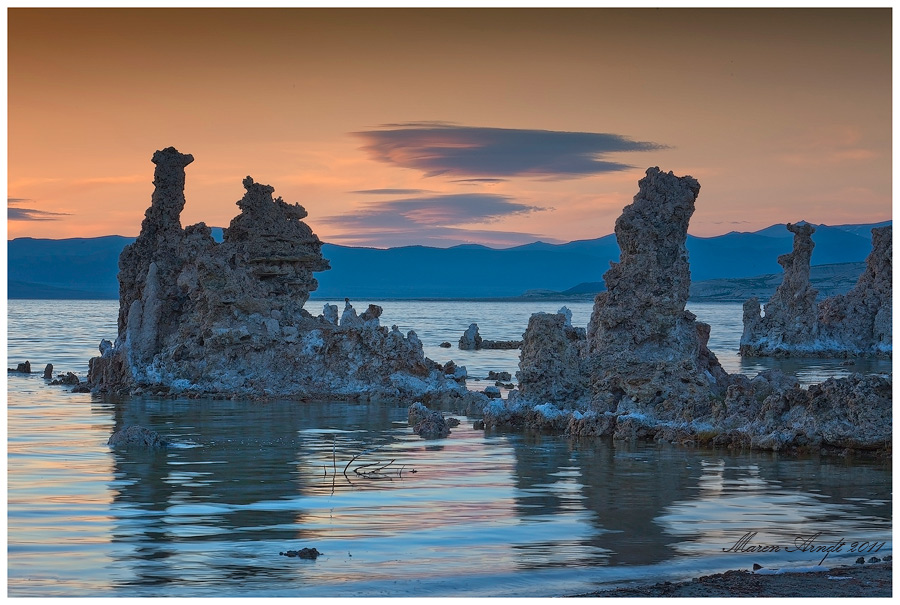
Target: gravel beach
(870, 580)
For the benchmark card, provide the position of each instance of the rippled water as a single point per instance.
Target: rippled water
(476, 514)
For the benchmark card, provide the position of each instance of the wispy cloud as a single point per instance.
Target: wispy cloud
(31, 214)
(434, 220)
(438, 237)
(480, 181)
(445, 210)
(438, 148)
(391, 191)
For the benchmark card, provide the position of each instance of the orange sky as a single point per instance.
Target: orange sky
(782, 115)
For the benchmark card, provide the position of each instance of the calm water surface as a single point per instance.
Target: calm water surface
(476, 514)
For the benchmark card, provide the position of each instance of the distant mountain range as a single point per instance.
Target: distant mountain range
(87, 267)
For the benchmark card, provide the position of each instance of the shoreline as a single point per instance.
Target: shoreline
(869, 580)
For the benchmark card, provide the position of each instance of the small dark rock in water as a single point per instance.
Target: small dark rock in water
(887, 558)
(478, 425)
(505, 385)
(434, 427)
(22, 368)
(849, 362)
(501, 344)
(48, 371)
(428, 424)
(69, 378)
(81, 388)
(860, 560)
(303, 553)
(452, 422)
(757, 567)
(445, 345)
(501, 376)
(136, 436)
(874, 560)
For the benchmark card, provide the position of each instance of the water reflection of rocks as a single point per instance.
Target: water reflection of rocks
(221, 505)
(216, 483)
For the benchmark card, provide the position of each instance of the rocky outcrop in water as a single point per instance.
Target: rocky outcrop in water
(428, 424)
(856, 323)
(642, 352)
(553, 364)
(861, 320)
(136, 436)
(643, 369)
(205, 318)
(471, 340)
(22, 368)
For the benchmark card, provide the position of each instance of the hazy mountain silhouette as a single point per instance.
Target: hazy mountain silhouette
(87, 267)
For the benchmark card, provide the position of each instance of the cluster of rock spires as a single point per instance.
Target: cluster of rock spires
(227, 319)
(853, 324)
(642, 367)
(204, 318)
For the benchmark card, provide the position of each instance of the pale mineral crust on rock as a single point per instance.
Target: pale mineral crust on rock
(206, 318)
(643, 370)
(856, 323)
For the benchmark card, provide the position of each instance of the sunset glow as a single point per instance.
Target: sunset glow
(445, 126)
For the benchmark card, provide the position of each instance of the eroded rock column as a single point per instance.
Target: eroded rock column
(790, 321)
(648, 354)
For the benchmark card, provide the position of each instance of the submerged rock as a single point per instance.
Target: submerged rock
(856, 323)
(303, 553)
(501, 344)
(204, 318)
(66, 379)
(136, 436)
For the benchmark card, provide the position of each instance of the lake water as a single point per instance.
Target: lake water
(476, 514)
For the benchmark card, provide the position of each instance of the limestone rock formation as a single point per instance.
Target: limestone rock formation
(861, 320)
(552, 365)
(647, 353)
(471, 339)
(857, 323)
(644, 370)
(642, 351)
(207, 318)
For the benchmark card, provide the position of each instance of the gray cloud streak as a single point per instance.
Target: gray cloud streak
(431, 220)
(29, 214)
(440, 148)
